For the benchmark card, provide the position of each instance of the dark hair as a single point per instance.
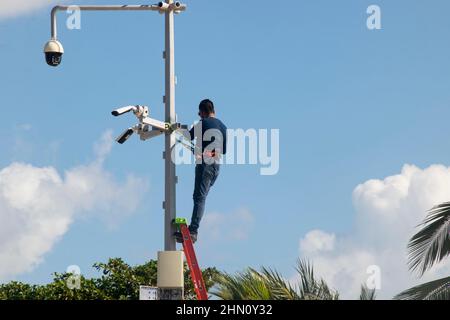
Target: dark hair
(206, 106)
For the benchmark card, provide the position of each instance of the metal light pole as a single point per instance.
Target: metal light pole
(169, 99)
(170, 261)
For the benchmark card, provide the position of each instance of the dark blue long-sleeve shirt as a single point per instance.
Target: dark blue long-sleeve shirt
(218, 134)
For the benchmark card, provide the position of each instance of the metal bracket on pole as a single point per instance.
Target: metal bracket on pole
(147, 127)
(146, 135)
(161, 7)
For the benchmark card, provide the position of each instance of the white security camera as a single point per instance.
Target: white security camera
(53, 52)
(123, 110)
(147, 127)
(176, 6)
(163, 5)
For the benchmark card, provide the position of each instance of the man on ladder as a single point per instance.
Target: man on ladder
(211, 140)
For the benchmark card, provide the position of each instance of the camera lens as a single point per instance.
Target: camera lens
(53, 58)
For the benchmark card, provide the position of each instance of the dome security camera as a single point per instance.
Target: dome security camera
(53, 52)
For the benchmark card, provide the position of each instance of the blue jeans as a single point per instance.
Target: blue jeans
(205, 176)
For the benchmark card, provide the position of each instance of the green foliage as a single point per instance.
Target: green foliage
(209, 276)
(18, 291)
(118, 281)
(270, 285)
(59, 290)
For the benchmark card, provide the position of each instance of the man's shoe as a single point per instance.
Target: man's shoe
(194, 237)
(178, 237)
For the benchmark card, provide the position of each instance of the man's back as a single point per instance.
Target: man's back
(213, 127)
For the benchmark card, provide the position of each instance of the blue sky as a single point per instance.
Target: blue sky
(351, 105)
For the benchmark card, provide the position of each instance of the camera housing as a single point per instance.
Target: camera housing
(53, 51)
(125, 136)
(123, 110)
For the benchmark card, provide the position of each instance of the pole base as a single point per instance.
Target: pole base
(170, 275)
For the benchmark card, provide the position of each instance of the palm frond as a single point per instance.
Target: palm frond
(434, 290)
(270, 285)
(280, 288)
(309, 287)
(247, 285)
(431, 244)
(367, 294)
(307, 282)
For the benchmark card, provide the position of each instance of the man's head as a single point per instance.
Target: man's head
(206, 109)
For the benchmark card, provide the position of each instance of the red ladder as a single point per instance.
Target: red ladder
(189, 252)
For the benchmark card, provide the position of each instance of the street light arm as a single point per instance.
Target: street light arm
(161, 7)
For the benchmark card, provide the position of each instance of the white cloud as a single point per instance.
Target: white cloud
(238, 225)
(316, 241)
(14, 8)
(387, 213)
(38, 205)
(103, 147)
